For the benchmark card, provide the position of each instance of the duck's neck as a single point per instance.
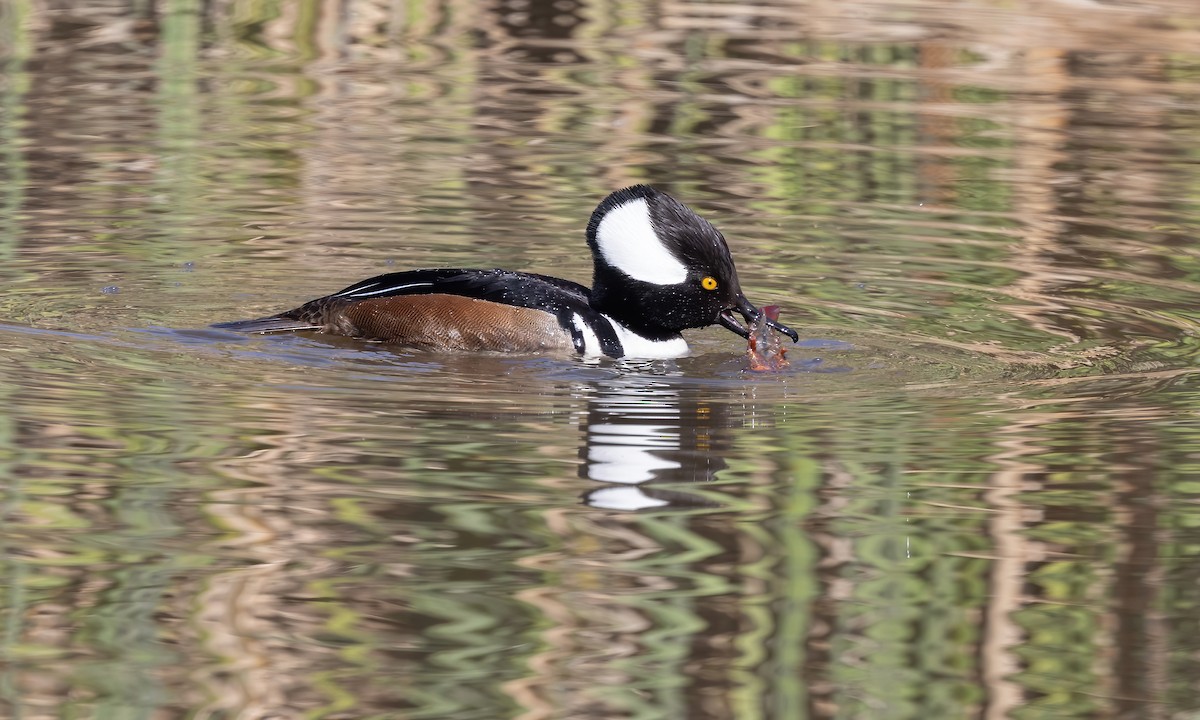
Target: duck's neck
(629, 311)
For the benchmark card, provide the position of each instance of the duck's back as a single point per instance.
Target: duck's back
(452, 309)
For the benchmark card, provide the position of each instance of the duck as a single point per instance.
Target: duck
(658, 269)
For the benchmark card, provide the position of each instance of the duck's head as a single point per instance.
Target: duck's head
(661, 268)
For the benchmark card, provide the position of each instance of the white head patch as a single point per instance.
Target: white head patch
(627, 241)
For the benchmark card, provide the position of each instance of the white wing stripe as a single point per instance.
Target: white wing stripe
(356, 290)
(381, 291)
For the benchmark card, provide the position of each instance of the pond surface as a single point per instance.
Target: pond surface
(975, 493)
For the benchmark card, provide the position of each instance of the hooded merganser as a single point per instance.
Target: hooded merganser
(658, 268)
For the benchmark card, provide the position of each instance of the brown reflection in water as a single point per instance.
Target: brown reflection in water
(603, 622)
(1018, 449)
(1141, 661)
(1132, 672)
(936, 176)
(596, 634)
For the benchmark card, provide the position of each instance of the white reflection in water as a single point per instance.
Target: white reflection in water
(620, 462)
(623, 498)
(638, 432)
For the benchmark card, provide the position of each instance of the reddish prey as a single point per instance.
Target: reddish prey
(765, 346)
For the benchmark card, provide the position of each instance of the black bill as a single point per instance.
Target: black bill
(751, 313)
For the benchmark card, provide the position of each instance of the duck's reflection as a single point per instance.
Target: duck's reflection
(641, 433)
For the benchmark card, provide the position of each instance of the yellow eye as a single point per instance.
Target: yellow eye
(709, 283)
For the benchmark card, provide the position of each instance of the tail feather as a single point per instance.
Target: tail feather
(275, 323)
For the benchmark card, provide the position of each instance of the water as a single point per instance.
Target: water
(975, 493)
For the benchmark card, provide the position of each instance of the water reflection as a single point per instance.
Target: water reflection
(299, 539)
(639, 430)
